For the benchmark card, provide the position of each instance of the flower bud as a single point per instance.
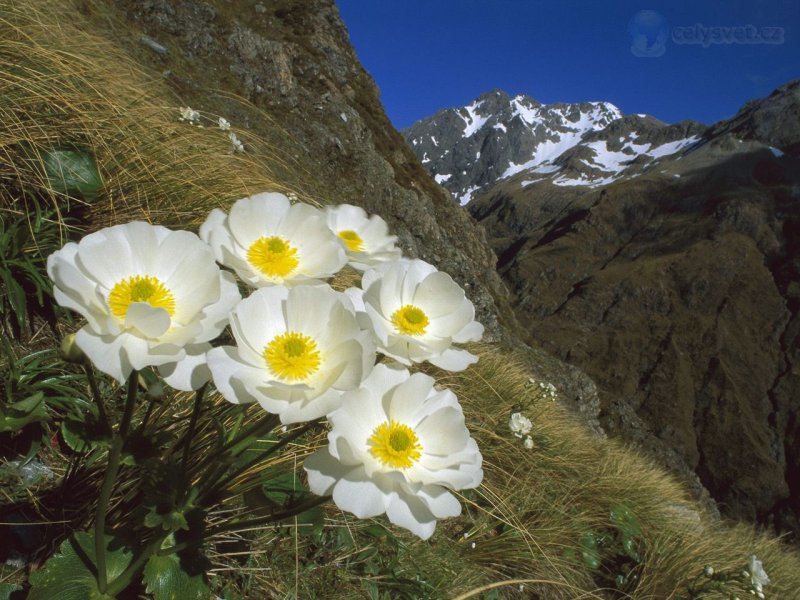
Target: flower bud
(70, 352)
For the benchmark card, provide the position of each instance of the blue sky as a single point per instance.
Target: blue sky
(433, 54)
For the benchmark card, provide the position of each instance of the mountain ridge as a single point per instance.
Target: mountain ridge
(468, 149)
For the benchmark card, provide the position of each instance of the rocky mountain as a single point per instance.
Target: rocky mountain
(468, 149)
(668, 269)
(286, 71)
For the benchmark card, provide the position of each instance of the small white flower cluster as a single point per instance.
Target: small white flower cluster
(156, 297)
(756, 576)
(192, 117)
(548, 388)
(189, 115)
(520, 426)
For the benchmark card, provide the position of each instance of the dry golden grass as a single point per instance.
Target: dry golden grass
(63, 86)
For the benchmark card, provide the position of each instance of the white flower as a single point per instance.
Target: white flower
(297, 351)
(224, 124)
(365, 239)
(416, 313)
(268, 241)
(528, 443)
(758, 577)
(236, 143)
(519, 424)
(151, 297)
(397, 445)
(189, 115)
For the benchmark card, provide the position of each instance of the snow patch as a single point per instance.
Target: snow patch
(473, 121)
(467, 195)
(672, 147)
(441, 178)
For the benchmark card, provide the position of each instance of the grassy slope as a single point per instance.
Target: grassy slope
(61, 85)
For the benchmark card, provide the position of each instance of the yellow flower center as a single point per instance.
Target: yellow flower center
(410, 320)
(352, 240)
(292, 356)
(273, 256)
(140, 288)
(395, 445)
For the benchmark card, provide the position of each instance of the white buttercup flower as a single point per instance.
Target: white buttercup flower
(758, 576)
(151, 297)
(397, 446)
(519, 424)
(297, 351)
(269, 241)
(365, 239)
(417, 313)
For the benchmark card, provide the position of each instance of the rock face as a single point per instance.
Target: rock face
(469, 149)
(676, 290)
(306, 93)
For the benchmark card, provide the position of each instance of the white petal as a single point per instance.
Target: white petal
(73, 289)
(149, 320)
(323, 471)
(443, 432)
(216, 316)
(439, 501)
(257, 216)
(409, 512)
(453, 359)
(438, 294)
(106, 353)
(227, 371)
(472, 332)
(358, 494)
(188, 374)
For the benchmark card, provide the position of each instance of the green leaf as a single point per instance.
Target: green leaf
(70, 574)
(86, 433)
(169, 521)
(7, 591)
(625, 521)
(166, 580)
(589, 550)
(71, 172)
(630, 547)
(14, 417)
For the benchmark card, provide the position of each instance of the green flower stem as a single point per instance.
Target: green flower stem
(271, 518)
(198, 403)
(261, 456)
(241, 442)
(98, 398)
(108, 482)
(250, 434)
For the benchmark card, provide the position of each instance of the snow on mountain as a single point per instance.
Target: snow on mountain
(496, 136)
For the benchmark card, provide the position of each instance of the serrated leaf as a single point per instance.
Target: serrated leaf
(86, 433)
(166, 580)
(72, 172)
(70, 573)
(172, 520)
(14, 417)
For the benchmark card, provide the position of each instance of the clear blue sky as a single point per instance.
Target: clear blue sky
(426, 55)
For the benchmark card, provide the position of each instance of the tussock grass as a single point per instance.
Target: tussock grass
(65, 85)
